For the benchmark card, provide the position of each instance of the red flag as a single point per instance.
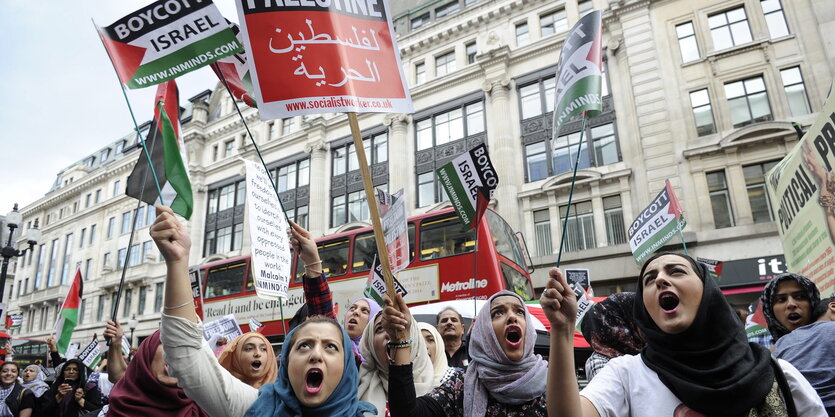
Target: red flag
(9, 322)
(675, 206)
(481, 202)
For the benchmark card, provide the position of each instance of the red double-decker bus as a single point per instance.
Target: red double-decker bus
(441, 269)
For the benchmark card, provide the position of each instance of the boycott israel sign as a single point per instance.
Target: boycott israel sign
(90, 356)
(268, 230)
(375, 287)
(395, 228)
(462, 177)
(656, 224)
(323, 56)
(803, 185)
(166, 39)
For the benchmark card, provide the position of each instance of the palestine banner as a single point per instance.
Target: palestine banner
(465, 178)
(235, 71)
(803, 186)
(756, 324)
(166, 39)
(323, 57)
(168, 155)
(579, 72)
(714, 267)
(68, 315)
(14, 321)
(656, 224)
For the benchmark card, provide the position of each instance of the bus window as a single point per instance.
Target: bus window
(334, 257)
(445, 237)
(517, 282)
(225, 280)
(250, 285)
(504, 239)
(365, 248)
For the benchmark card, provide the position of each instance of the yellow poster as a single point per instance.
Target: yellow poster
(802, 189)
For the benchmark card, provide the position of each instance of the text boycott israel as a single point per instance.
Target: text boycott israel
(463, 177)
(656, 224)
(166, 39)
(322, 56)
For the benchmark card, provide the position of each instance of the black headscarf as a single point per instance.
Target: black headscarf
(610, 329)
(64, 405)
(767, 297)
(710, 367)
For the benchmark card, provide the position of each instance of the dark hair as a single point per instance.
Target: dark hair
(448, 308)
(300, 316)
(821, 307)
(692, 261)
(316, 318)
(11, 363)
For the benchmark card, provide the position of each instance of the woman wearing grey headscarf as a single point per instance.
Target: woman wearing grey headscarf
(504, 378)
(34, 380)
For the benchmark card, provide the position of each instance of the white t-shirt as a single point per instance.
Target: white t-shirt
(627, 387)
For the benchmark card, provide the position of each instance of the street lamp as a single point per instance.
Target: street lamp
(132, 323)
(33, 235)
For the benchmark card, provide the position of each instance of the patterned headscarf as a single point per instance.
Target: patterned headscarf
(37, 385)
(778, 330)
(610, 329)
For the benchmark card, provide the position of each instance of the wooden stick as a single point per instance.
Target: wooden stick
(382, 251)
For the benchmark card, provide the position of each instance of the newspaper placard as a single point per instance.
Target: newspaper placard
(91, 354)
(196, 289)
(803, 186)
(166, 39)
(395, 228)
(323, 57)
(225, 326)
(268, 232)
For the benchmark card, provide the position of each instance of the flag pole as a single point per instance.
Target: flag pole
(571, 191)
(132, 232)
(681, 234)
(274, 184)
(475, 254)
(133, 117)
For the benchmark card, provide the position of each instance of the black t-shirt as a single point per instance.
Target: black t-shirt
(461, 357)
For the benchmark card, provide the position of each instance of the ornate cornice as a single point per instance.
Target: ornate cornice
(394, 119)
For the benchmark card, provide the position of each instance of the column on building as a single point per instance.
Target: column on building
(318, 147)
(398, 143)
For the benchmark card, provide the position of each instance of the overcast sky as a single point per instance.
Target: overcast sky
(59, 97)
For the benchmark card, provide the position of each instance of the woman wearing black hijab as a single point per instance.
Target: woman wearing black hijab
(70, 394)
(696, 361)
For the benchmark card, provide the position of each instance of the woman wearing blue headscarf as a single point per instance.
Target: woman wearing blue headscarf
(317, 375)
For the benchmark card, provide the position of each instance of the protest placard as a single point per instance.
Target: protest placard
(323, 57)
(268, 226)
(375, 287)
(579, 280)
(72, 351)
(656, 224)
(395, 228)
(226, 326)
(90, 356)
(464, 178)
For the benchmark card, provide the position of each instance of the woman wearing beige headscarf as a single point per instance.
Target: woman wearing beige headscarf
(436, 351)
(374, 375)
(250, 358)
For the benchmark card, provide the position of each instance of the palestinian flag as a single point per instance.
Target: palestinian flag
(166, 39)
(68, 315)
(714, 267)
(168, 155)
(756, 324)
(580, 72)
(235, 71)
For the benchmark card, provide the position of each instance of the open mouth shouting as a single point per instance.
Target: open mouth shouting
(513, 336)
(795, 318)
(669, 302)
(352, 323)
(256, 365)
(313, 380)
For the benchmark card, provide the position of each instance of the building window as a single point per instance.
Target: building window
(446, 10)
(536, 158)
(82, 310)
(87, 265)
(106, 259)
(748, 101)
(687, 42)
(87, 199)
(229, 148)
(420, 73)
(98, 197)
(39, 266)
(288, 125)
(774, 18)
(293, 175)
(158, 293)
(604, 145)
(720, 199)
(127, 302)
(553, 22)
(450, 126)
(83, 238)
(140, 217)
(345, 164)
(445, 64)
(613, 214)
(100, 308)
(522, 35)
(117, 188)
(105, 154)
(563, 151)
(795, 91)
(538, 98)
(757, 195)
(420, 20)
(579, 232)
(273, 130)
(702, 112)
(143, 293)
(729, 28)
(147, 247)
(126, 222)
(430, 190)
(65, 268)
(111, 224)
(542, 231)
(585, 7)
(121, 257)
(472, 51)
(93, 230)
(225, 215)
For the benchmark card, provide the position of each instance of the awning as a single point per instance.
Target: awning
(743, 290)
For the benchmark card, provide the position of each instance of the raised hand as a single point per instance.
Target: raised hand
(114, 332)
(170, 235)
(306, 247)
(559, 302)
(396, 318)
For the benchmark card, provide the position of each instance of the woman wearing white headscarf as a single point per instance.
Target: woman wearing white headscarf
(34, 380)
(436, 351)
(374, 372)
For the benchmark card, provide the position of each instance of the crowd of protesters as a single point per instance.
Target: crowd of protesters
(675, 347)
